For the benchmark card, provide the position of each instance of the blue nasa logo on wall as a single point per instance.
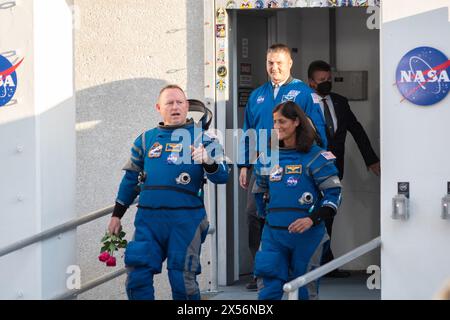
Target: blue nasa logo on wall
(8, 80)
(422, 76)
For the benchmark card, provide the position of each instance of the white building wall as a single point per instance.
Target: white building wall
(17, 129)
(37, 149)
(415, 253)
(125, 52)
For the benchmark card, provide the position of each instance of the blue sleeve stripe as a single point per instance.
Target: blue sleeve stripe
(132, 166)
(330, 183)
(323, 178)
(136, 159)
(137, 150)
(313, 159)
(329, 163)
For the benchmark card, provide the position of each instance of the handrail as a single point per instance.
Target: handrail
(70, 225)
(73, 224)
(99, 281)
(91, 285)
(292, 287)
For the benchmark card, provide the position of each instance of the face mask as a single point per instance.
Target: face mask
(324, 88)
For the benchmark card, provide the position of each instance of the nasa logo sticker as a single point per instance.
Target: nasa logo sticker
(422, 76)
(172, 159)
(8, 80)
(260, 100)
(292, 182)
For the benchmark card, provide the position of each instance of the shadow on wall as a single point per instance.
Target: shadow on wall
(195, 48)
(109, 118)
(37, 193)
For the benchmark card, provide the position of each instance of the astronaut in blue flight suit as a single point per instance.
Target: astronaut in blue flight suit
(282, 87)
(294, 196)
(167, 169)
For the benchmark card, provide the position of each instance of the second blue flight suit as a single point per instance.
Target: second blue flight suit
(259, 109)
(301, 185)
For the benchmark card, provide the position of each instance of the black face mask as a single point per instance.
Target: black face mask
(324, 88)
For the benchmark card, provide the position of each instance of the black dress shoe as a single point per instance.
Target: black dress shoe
(252, 286)
(338, 274)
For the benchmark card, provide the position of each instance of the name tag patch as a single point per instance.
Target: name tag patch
(294, 169)
(174, 147)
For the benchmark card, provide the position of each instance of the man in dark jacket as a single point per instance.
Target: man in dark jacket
(339, 119)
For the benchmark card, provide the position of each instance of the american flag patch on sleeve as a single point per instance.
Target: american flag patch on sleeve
(328, 155)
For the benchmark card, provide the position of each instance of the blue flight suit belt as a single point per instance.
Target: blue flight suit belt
(177, 189)
(283, 210)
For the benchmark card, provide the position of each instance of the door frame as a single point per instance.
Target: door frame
(221, 92)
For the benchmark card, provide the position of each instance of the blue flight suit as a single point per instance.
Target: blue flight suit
(296, 188)
(171, 221)
(258, 113)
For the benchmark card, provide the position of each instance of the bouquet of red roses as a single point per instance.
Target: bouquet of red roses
(110, 244)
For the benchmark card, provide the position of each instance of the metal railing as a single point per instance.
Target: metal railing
(90, 285)
(291, 288)
(103, 279)
(55, 231)
(71, 225)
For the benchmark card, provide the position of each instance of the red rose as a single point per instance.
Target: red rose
(110, 244)
(111, 262)
(104, 257)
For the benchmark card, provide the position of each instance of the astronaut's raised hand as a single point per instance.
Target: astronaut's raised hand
(200, 155)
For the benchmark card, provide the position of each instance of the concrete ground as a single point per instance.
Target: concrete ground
(352, 288)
